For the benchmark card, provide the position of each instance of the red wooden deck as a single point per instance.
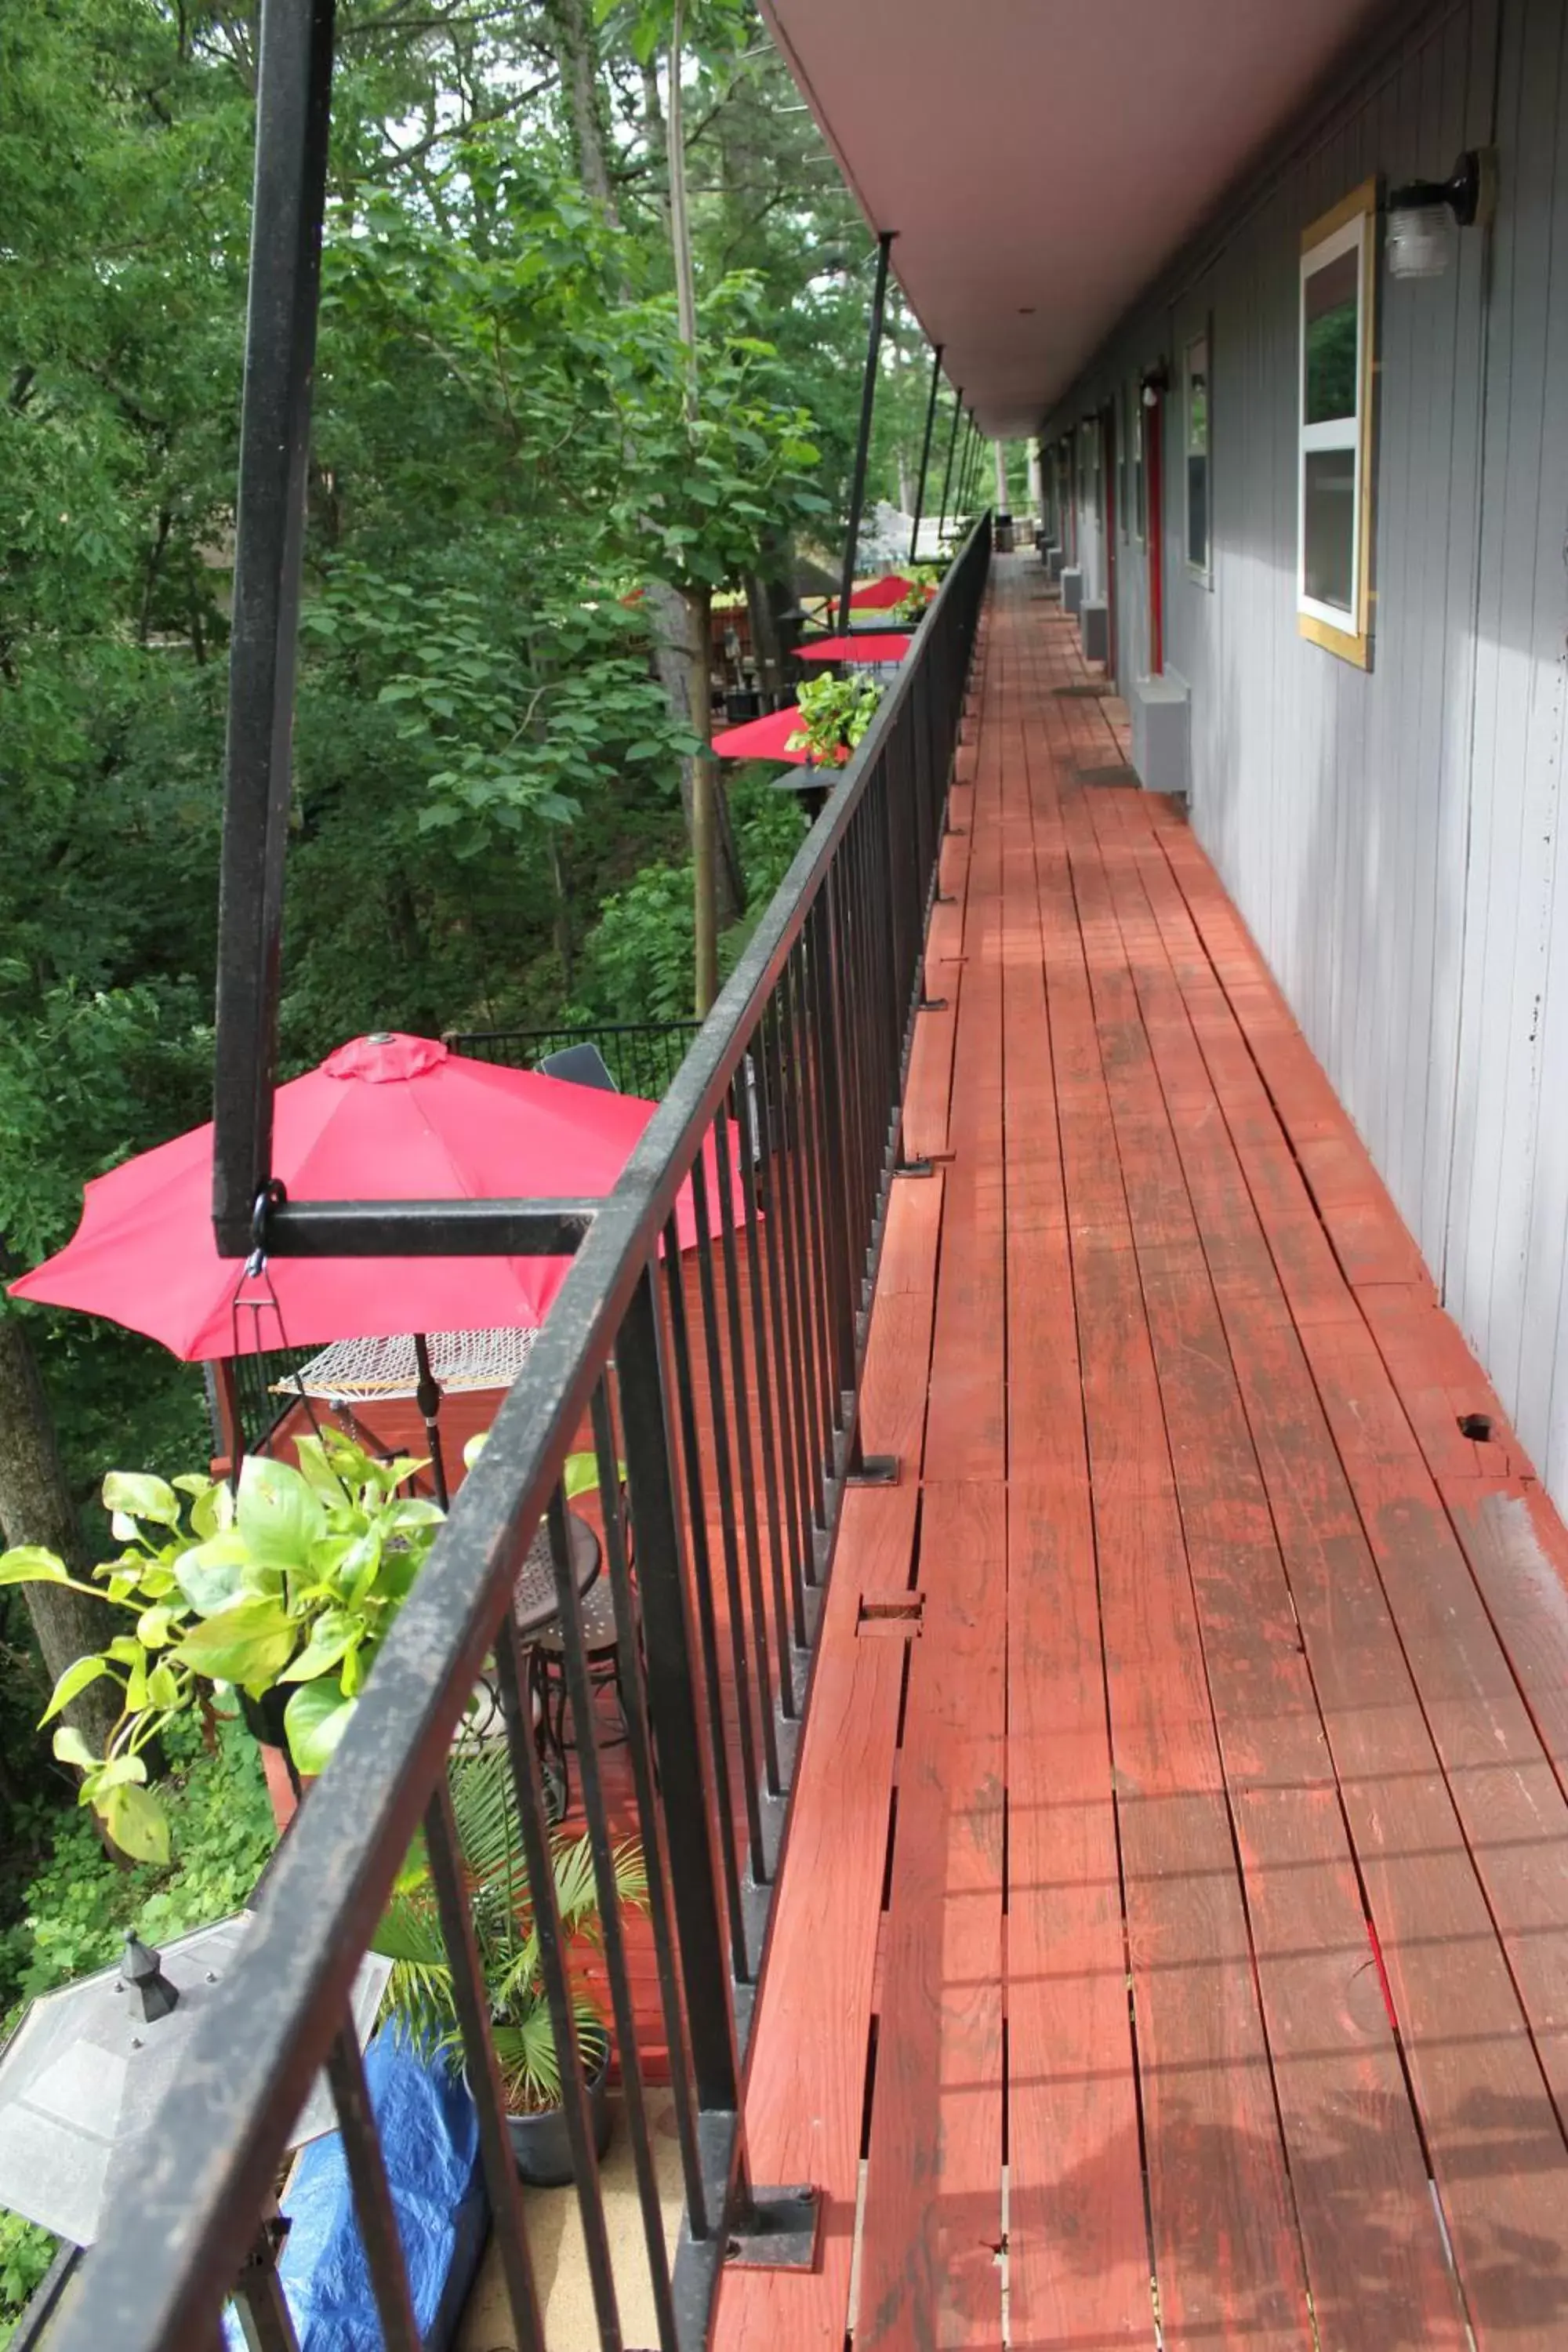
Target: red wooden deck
(1173, 1943)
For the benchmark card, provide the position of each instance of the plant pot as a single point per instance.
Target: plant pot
(263, 1718)
(541, 2144)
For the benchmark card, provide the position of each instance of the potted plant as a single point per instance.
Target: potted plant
(835, 714)
(284, 1590)
(419, 1995)
(924, 580)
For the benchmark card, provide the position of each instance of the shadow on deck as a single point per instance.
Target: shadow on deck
(1174, 1931)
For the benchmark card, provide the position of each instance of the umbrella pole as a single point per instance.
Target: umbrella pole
(427, 1397)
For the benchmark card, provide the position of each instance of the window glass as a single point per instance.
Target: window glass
(1197, 414)
(1328, 527)
(1331, 306)
(1333, 453)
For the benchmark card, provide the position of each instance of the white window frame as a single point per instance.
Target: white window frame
(1349, 227)
(1204, 571)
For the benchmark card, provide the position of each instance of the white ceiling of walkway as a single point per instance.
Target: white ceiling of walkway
(1040, 159)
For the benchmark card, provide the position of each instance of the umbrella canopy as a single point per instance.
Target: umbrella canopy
(764, 738)
(881, 595)
(864, 646)
(384, 1118)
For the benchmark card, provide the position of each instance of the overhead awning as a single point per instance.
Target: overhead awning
(1039, 163)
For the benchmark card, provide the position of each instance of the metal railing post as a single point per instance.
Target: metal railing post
(925, 452)
(293, 111)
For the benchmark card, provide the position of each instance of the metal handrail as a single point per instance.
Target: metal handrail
(833, 971)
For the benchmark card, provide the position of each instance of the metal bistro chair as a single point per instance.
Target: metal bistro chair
(608, 1668)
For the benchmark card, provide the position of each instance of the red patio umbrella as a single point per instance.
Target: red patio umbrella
(764, 738)
(863, 645)
(384, 1118)
(881, 595)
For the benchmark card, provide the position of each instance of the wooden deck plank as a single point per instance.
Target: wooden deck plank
(1227, 2256)
(931, 2259)
(1079, 2264)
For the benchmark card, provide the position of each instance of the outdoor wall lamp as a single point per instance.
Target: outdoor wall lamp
(1156, 382)
(1418, 225)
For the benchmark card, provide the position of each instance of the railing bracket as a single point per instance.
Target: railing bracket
(932, 1005)
(779, 2232)
(913, 1167)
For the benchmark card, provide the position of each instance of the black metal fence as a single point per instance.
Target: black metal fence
(718, 1391)
(642, 1056)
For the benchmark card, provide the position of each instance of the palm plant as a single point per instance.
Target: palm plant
(419, 1994)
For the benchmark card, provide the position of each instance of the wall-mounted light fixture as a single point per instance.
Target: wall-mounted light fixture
(1157, 381)
(1422, 214)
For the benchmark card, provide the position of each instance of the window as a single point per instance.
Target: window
(1196, 412)
(1334, 468)
(1139, 517)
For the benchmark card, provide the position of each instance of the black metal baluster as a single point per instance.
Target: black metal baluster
(650, 1815)
(372, 2196)
(778, 1241)
(773, 1440)
(813, 1237)
(528, 1788)
(740, 1384)
(701, 1588)
(689, 1801)
(719, 1390)
(472, 2004)
(806, 1297)
(612, 1926)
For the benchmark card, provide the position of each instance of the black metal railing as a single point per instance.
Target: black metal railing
(716, 1387)
(641, 1056)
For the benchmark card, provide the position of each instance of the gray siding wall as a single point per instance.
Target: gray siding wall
(1391, 837)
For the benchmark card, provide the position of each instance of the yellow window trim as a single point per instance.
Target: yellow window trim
(1352, 645)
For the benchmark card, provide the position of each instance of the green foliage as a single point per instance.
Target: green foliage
(292, 1583)
(835, 712)
(640, 951)
(490, 1839)
(79, 1902)
(26, 2253)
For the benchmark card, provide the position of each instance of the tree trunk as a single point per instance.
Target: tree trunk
(576, 55)
(680, 657)
(36, 1507)
(705, 860)
(770, 594)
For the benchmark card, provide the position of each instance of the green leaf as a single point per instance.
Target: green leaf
(72, 1749)
(140, 1497)
(152, 1627)
(277, 1515)
(118, 1772)
(249, 1645)
(75, 1678)
(134, 1819)
(30, 1564)
(331, 1635)
(315, 1720)
(163, 1687)
(213, 1577)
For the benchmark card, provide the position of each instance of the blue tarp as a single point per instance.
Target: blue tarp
(430, 2139)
